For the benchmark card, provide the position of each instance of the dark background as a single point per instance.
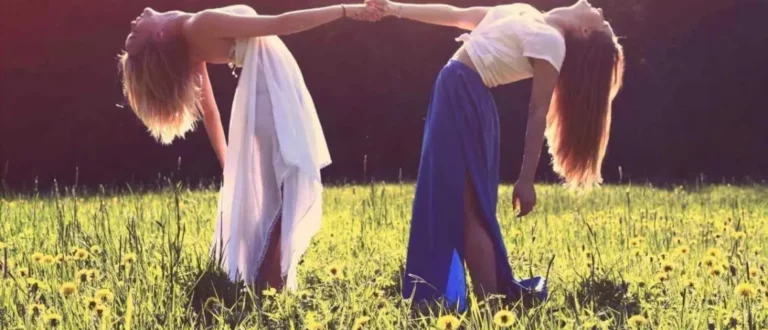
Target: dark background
(694, 100)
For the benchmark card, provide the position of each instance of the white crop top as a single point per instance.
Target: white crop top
(504, 40)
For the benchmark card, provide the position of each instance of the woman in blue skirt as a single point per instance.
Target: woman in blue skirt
(576, 64)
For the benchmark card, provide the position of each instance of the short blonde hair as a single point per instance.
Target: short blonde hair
(161, 89)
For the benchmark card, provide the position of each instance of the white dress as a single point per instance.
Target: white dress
(275, 151)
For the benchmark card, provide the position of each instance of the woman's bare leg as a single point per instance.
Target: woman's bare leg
(270, 271)
(478, 247)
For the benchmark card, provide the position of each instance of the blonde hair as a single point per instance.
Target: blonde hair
(579, 118)
(161, 89)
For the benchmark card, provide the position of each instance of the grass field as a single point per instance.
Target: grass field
(625, 257)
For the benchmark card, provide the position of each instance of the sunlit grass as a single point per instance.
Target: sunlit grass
(625, 257)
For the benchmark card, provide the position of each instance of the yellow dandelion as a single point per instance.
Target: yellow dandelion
(269, 292)
(745, 290)
(716, 271)
(96, 249)
(690, 283)
(757, 251)
(708, 261)
(504, 319)
(718, 235)
(81, 276)
(683, 250)
(68, 289)
(37, 256)
(91, 303)
(637, 252)
(81, 254)
(314, 325)
(663, 256)
(635, 242)
(667, 266)
(753, 272)
(69, 258)
(114, 200)
(360, 322)
(637, 321)
(101, 311)
(678, 240)
(334, 271)
(52, 319)
(36, 309)
(104, 295)
(93, 274)
(59, 258)
(47, 260)
(662, 277)
(448, 322)
(739, 235)
(129, 259)
(22, 272)
(714, 252)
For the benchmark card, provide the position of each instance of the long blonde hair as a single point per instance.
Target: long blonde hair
(161, 88)
(579, 118)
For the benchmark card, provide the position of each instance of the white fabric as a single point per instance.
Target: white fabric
(504, 40)
(275, 140)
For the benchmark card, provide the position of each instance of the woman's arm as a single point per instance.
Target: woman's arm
(438, 14)
(211, 117)
(223, 24)
(544, 82)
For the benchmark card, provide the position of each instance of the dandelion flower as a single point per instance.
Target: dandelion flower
(709, 261)
(104, 295)
(69, 258)
(678, 240)
(93, 274)
(504, 319)
(753, 272)
(360, 322)
(716, 271)
(101, 311)
(662, 277)
(81, 276)
(448, 322)
(683, 250)
(52, 319)
(37, 256)
(690, 283)
(667, 266)
(81, 254)
(269, 292)
(746, 290)
(47, 260)
(314, 326)
(635, 242)
(36, 309)
(334, 271)
(23, 272)
(739, 235)
(91, 303)
(59, 259)
(68, 289)
(637, 321)
(129, 259)
(96, 249)
(714, 252)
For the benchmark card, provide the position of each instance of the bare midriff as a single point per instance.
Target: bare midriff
(463, 56)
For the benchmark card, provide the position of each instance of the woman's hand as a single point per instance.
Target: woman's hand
(385, 6)
(524, 197)
(363, 12)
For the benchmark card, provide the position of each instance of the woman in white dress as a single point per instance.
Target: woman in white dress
(270, 203)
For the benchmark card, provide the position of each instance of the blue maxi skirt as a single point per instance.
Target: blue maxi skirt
(461, 136)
